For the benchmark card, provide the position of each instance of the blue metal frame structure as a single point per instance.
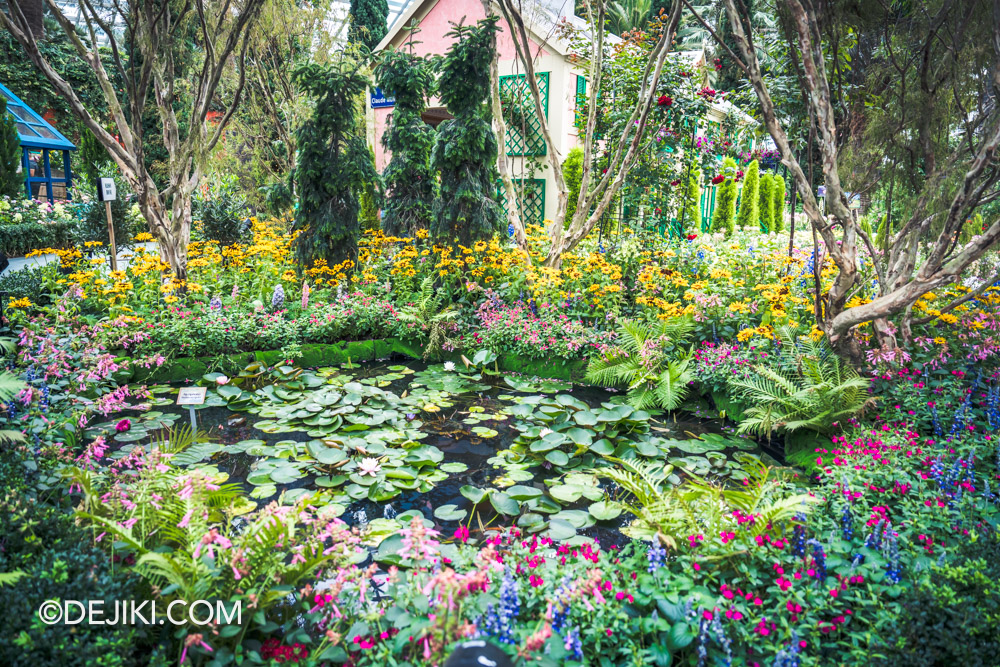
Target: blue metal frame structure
(38, 141)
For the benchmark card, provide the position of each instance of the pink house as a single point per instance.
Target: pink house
(559, 80)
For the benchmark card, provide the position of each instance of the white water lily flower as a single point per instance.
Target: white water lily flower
(221, 380)
(544, 432)
(369, 466)
(449, 365)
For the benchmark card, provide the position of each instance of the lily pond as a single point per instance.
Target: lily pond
(469, 447)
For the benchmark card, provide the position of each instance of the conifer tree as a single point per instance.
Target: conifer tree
(749, 205)
(466, 149)
(409, 180)
(724, 218)
(368, 22)
(334, 164)
(778, 202)
(11, 182)
(765, 202)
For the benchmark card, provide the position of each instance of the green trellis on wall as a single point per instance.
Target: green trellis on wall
(532, 194)
(524, 129)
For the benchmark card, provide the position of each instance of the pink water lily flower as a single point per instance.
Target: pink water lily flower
(221, 380)
(369, 466)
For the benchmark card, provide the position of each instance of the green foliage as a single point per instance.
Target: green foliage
(92, 155)
(11, 182)
(409, 180)
(959, 599)
(368, 22)
(466, 148)
(765, 203)
(92, 224)
(223, 212)
(778, 203)
(649, 361)
(334, 164)
(701, 507)
(724, 218)
(20, 239)
(573, 174)
(749, 204)
(809, 387)
(59, 562)
(430, 314)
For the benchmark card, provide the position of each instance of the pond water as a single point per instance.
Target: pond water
(380, 441)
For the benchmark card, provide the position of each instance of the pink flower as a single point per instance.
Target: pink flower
(123, 425)
(462, 534)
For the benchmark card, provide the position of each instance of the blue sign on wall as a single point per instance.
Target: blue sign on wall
(380, 100)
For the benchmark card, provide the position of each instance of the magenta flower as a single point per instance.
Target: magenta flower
(123, 425)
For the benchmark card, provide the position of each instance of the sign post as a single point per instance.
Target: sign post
(192, 396)
(106, 192)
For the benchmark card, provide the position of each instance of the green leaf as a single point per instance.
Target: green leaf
(504, 504)
(604, 510)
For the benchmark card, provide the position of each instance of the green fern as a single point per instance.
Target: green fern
(644, 360)
(814, 391)
(427, 311)
(701, 507)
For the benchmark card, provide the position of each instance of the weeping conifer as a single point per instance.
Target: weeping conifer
(465, 153)
(334, 164)
(409, 179)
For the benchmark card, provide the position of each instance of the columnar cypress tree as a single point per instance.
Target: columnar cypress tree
(724, 218)
(765, 202)
(11, 182)
(368, 22)
(778, 202)
(749, 205)
(409, 180)
(333, 164)
(466, 149)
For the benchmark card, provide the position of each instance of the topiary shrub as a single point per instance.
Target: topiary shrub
(765, 203)
(724, 218)
(778, 203)
(749, 214)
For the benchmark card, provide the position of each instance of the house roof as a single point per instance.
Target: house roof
(33, 130)
(540, 17)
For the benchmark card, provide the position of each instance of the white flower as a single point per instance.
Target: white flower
(449, 365)
(544, 432)
(368, 466)
(221, 380)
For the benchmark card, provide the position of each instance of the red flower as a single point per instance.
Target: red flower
(665, 101)
(674, 182)
(692, 237)
(718, 179)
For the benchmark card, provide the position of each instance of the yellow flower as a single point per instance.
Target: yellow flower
(142, 237)
(171, 299)
(745, 335)
(940, 341)
(23, 302)
(948, 318)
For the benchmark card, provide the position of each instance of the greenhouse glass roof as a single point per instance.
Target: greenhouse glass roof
(33, 130)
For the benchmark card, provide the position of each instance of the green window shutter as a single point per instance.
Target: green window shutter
(524, 129)
(532, 194)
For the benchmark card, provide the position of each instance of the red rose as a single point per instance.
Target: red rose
(718, 179)
(665, 101)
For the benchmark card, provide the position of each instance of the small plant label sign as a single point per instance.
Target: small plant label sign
(191, 395)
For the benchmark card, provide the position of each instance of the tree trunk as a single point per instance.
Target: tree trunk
(33, 11)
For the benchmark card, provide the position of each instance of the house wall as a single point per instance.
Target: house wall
(435, 22)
